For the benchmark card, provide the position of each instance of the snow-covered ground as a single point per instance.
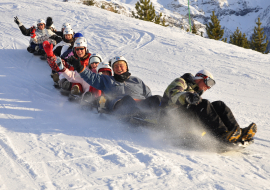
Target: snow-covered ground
(46, 142)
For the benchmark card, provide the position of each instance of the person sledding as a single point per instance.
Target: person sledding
(38, 35)
(64, 77)
(184, 96)
(125, 95)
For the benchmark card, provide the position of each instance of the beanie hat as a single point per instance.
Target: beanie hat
(78, 35)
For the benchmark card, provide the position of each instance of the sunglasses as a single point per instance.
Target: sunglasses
(40, 24)
(209, 82)
(77, 49)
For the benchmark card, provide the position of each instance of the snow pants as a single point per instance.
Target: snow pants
(128, 106)
(33, 45)
(216, 116)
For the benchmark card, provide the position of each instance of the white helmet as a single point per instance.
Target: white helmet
(118, 58)
(207, 76)
(81, 41)
(66, 25)
(199, 75)
(41, 21)
(68, 31)
(104, 66)
(95, 58)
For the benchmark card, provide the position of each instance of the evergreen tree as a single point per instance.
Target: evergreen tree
(213, 28)
(158, 18)
(258, 38)
(89, 2)
(201, 34)
(163, 23)
(145, 10)
(194, 29)
(238, 39)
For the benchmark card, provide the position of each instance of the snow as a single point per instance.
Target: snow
(47, 142)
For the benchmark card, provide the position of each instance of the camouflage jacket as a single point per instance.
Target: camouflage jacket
(176, 92)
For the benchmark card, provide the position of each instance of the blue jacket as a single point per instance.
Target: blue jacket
(114, 90)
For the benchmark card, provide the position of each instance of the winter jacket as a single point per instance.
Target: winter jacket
(57, 50)
(74, 77)
(41, 35)
(176, 92)
(114, 90)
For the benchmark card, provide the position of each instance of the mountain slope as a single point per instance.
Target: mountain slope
(47, 142)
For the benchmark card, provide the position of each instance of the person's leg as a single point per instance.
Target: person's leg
(151, 103)
(225, 114)
(209, 117)
(126, 106)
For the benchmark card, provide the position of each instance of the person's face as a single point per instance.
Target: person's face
(94, 65)
(41, 26)
(120, 67)
(201, 84)
(68, 36)
(80, 51)
(106, 73)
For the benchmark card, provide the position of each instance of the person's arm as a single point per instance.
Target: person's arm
(56, 38)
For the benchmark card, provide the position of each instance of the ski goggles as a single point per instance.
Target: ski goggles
(77, 49)
(40, 24)
(209, 82)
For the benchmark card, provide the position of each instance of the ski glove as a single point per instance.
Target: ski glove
(33, 32)
(17, 21)
(49, 22)
(59, 63)
(48, 48)
(76, 63)
(193, 98)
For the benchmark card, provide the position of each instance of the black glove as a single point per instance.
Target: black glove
(193, 98)
(76, 63)
(17, 21)
(49, 22)
(32, 29)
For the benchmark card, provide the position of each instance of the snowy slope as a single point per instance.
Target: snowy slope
(47, 142)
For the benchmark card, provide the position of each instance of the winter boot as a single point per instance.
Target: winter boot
(233, 136)
(87, 98)
(43, 57)
(75, 90)
(249, 132)
(66, 85)
(39, 52)
(55, 77)
(30, 50)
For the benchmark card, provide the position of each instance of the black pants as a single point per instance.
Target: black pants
(216, 116)
(128, 106)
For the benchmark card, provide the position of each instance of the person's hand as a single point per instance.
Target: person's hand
(17, 21)
(49, 22)
(48, 48)
(193, 98)
(59, 63)
(76, 63)
(33, 32)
